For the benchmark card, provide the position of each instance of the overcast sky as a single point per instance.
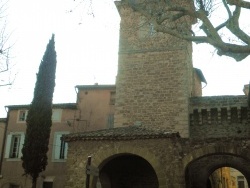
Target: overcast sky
(87, 50)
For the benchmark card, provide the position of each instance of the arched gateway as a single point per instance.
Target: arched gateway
(127, 171)
(198, 171)
(202, 162)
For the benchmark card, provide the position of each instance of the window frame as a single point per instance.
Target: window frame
(56, 112)
(57, 147)
(19, 120)
(9, 146)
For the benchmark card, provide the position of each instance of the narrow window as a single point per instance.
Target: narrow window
(22, 115)
(60, 147)
(110, 121)
(112, 98)
(62, 150)
(241, 182)
(15, 144)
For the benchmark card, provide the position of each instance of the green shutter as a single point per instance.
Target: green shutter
(20, 154)
(8, 145)
(66, 150)
(57, 146)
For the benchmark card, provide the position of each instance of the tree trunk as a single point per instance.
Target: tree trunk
(34, 182)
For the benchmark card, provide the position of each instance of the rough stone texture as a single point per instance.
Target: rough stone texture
(154, 78)
(170, 157)
(154, 84)
(102, 150)
(219, 116)
(218, 102)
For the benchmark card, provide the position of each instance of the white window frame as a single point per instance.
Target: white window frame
(56, 115)
(9, 146)
(19, 120)
(58, 149)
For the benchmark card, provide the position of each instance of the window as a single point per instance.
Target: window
(22, 115)
(47, 184)
(14, 145)
(112, 98)
(110, 121)
(56, 115)
(14, 186)
(241, 183)
(60, 147)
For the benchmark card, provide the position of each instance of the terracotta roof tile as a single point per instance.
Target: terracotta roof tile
(121, 133)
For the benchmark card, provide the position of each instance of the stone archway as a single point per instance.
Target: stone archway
(198, 171)
(127, 171)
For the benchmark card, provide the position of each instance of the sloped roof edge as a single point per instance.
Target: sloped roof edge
(58, 105)
(121, 133)
(3, 120)
(201, 76)
(96, 86)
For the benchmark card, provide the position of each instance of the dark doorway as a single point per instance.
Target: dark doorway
(47, 184)
(209, 183)
(128, 171)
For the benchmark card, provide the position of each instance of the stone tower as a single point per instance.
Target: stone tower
(154, 80)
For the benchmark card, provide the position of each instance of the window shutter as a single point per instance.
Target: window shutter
(57, 146)
(20, 154)
(8, 144)
(56, 115)
(66, 150)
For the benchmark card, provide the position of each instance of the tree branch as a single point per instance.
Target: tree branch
(233, 26)
(239, 3)
(164, 14)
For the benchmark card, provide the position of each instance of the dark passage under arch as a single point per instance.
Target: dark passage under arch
(128, 171)
(198, 171)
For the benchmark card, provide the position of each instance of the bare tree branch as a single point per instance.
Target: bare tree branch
(4, 47)
(239, 3)
(167, 17)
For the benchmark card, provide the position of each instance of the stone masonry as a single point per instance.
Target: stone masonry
(154, 78)
(164, 135)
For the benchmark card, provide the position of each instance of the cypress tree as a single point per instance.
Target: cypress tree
(39, 121)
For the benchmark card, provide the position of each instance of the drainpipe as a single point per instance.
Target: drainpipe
(4, 141)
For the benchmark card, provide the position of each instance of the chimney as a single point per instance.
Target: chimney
(246, 89)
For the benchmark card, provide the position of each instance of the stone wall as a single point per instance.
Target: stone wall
(169, 157)
(154, 78)
(219, 116)
(102, 151)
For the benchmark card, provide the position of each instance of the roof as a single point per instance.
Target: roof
(59, 105)
(201, 76)
(3, 120)
(122, 133)
(96, 86)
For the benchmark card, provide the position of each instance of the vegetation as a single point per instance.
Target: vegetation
(5, 47)
(217, 22)
(39, 117)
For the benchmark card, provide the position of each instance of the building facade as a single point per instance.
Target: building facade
(15, 128)
(165, 134)
(153, 129)
(94, 110)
